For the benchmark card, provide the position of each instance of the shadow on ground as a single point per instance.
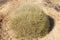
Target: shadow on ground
(51, 20)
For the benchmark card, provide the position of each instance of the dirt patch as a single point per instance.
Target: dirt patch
(54, 34)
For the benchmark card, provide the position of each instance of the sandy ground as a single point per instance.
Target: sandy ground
(51, 8)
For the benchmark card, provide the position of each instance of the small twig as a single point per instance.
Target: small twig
(57, 7)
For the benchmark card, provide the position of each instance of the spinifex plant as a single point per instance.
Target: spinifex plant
(29, 21)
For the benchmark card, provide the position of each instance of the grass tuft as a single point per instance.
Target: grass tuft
(29, 21)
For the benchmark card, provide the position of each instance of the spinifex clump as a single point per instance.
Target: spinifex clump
(29, 21)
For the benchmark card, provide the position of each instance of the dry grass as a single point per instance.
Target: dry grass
(29, 21)
(54, 34)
